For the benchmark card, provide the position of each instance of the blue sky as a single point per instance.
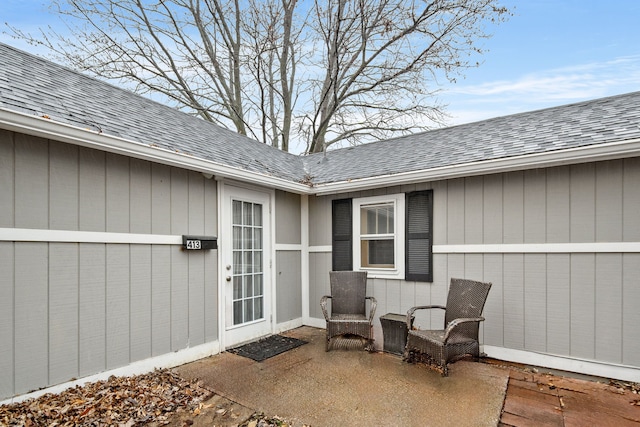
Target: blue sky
(551, 52)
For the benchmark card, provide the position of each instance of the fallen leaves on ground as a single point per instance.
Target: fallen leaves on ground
(261, 420)
(626, 385)
(621, 386)
(120, 401)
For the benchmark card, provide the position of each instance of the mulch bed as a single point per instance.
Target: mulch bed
(122, 401)
(157, 398)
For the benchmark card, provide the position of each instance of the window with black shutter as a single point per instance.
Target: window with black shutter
(419, 236)
(380, 240)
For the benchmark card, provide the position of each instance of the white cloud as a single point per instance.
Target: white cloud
(543, 89)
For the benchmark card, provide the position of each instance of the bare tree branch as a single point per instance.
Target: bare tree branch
(325, 73)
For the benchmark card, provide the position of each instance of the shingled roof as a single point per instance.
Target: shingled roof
(605, 120)
(40, 88)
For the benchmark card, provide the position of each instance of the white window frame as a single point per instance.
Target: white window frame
(397, 272)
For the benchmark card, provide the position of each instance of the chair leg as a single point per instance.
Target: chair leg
(406, 356)
(370, 348)
(445, 370)
(327, 343)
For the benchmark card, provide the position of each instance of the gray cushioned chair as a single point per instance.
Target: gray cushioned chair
(348, 307)
(461, 321)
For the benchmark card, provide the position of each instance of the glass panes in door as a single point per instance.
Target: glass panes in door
(248, 292)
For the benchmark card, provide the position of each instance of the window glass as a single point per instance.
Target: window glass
(237, 212)
(377, 253)
(377, 238)
(377, 219)
(257, 215)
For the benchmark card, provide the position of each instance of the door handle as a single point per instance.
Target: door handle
(228, 278)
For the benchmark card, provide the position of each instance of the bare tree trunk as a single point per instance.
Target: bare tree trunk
(232, 39)
(287, 71)
(328, 94)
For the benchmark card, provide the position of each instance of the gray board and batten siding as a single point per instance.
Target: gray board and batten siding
(576, 304)
(72, 309)
(75, 304)
(66, 308)
(288, 257)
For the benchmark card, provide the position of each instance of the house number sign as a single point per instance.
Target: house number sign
(198, 243)
(194, 244)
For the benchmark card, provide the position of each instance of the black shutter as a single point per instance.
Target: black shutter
(342, 235)
(419, 236)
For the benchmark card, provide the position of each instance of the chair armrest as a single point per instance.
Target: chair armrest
(456, 322)
(323, 306)
(372, 312)
(420, 307)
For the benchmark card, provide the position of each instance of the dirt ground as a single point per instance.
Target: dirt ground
(162, 398)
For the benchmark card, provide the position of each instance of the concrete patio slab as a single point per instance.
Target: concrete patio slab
(354, 388)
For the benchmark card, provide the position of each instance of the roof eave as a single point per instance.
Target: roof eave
(591, 153)
(47, 128)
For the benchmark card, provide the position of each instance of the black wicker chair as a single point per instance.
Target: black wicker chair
(348, 307)
(462, 320)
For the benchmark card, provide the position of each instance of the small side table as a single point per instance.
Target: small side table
(394, 332)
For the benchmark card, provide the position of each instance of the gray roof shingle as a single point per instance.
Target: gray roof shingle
(612, 119)
(35, 86)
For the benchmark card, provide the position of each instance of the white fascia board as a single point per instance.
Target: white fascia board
(47, 128)
(591, 153)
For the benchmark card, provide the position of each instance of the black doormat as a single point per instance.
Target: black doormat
(267, 347)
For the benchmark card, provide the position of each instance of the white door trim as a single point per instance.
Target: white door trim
(226, 191)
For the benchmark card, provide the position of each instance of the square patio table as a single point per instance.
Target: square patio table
(394, 332)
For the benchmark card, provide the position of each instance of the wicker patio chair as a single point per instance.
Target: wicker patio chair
(462, 320)
(348, 307)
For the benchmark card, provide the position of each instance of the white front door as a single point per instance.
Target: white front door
(246, 259)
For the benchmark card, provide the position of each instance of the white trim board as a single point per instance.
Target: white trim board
(320, 249)
(569, 364)
(167, 360)
(540, 248)
(304, 258)
(315, 322)
(288, 325)
(72, 236)
(288, 247)
(46, 128)
(533, 248)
